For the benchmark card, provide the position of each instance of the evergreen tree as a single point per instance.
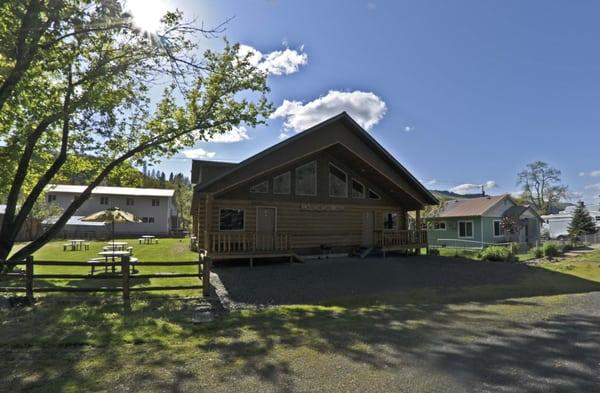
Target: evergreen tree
(171, 177)
(582, 223)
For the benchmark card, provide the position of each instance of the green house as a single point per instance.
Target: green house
(476, 223)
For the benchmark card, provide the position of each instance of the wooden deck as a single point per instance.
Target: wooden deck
(256, 245)
(404, 240)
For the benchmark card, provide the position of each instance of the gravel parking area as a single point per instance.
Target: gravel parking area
(317, 280)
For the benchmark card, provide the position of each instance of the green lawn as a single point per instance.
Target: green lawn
(167, 250)
(341, 345)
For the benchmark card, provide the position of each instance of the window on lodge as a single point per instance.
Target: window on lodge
(260, 188)
(338, 182)
(231, 219)
(306, 179)
(282, 184)
(358, 189)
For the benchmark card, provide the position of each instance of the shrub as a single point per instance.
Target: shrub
(538, 252)
(434, 251)
(551, 250)
(497, 254)
(566, 247)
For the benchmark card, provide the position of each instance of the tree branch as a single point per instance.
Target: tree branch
(54, 168)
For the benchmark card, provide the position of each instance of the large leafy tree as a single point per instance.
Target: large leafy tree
(541, 185)
(76, 78)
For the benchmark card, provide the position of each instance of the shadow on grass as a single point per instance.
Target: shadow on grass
(491, 341)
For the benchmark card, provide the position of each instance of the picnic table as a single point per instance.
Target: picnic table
(75, 245)
(106, 255)
(118, 246)
(148, 239)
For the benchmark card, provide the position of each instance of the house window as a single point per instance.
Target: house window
(260, 188)
(358, 190)
(148, 220)
(104, 200)
(338, 182)
(373, 195)
(439, 226)
(390, 221)
(306, 179)
(129, 201)
(231, 219)
(465, 229)
(282, 184)
(598, 218)
(51, 198)
(155, 202)
(498, 232)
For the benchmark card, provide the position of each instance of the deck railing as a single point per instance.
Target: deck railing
(244, 242)
(400, 238)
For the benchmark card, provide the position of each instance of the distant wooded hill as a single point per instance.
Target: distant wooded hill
(446, 195)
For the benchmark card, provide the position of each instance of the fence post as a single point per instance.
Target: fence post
(207, 264)
(125, 273)
(200, 264)
(29, 278)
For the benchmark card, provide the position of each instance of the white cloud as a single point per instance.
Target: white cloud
(364, 107)
(595, 186)
(237, 134)
(575, 195)
(280, 62)
(198, 153)
(409, 128)
(595, 173)
(469, 188)
(429, 183)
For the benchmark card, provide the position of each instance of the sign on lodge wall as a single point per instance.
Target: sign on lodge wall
(321, 207)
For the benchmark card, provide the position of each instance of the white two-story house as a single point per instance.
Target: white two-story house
(154, 206)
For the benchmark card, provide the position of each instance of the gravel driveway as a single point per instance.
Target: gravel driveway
(317, 280)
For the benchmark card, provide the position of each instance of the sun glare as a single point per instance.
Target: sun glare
(147, 13)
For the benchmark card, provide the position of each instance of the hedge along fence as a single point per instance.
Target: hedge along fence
(204, 264)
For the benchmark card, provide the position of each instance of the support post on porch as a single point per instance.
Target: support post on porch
(418, 230)
(207, 221)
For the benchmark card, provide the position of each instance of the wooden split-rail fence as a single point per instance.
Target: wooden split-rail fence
(125, 276)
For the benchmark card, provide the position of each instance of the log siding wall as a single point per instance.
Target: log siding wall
(308, 228)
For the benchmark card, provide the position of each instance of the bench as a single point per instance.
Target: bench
(94, 262)
(97, 262)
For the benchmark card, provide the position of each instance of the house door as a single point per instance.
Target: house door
(266, 222)
(367, 229)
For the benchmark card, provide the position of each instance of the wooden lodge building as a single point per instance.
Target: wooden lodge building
(330, 188)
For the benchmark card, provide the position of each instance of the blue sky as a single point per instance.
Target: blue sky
(461, 92)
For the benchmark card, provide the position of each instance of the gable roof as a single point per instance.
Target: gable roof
(470, 207)
(102, 190)
(221, 182)
(517, 211)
